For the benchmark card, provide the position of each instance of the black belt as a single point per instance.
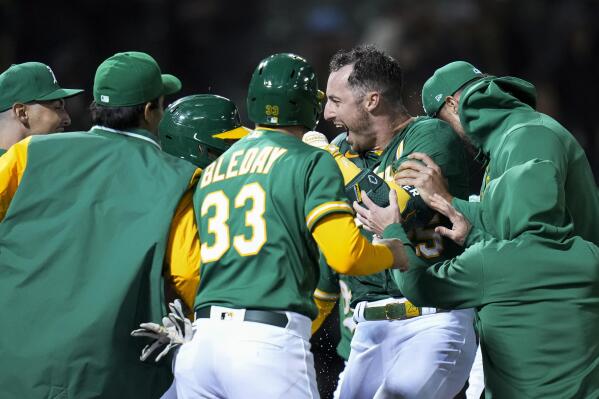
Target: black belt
(256, 316)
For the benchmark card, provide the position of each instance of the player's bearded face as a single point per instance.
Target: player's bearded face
(345, 110)
(358, 132)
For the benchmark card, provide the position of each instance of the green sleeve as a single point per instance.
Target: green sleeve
(531, 142)
(436, 139)
(472, 212)
(453, 284)
(329, 279)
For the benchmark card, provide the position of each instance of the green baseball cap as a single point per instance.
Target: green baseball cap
(131, 78)
(30, 81)
(445, 82)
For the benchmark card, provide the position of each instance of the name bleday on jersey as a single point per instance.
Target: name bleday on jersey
(252, 160)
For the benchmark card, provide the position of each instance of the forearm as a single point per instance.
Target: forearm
(448, 285)
(472, 212)
(396, 230)
(346, 250)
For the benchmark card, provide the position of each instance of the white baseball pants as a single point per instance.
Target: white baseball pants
(240, 359)
(424, 357)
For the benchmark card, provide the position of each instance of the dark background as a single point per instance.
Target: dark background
(213, 46)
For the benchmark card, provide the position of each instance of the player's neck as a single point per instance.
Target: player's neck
(296, 131)
(388, 126)
(11, 133)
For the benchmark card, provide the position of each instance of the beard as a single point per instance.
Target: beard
(359, 136)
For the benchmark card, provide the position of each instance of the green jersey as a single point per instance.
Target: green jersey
(256, 207)
(435, 138)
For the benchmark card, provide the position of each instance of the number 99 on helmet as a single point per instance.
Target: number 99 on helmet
(284, 91)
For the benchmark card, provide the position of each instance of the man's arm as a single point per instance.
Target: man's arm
(347, 251)
(12, 167)
(452, 284)
(182, 258)
(330, 220)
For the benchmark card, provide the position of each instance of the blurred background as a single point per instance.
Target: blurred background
(213, 46)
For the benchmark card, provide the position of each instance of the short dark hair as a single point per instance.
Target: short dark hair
(120, 118)
(373, 70)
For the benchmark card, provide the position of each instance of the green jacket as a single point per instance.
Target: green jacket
(81, 256)
(499, 116)
(535, 288)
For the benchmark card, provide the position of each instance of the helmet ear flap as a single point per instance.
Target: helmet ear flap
(190, 126)
(202, 150)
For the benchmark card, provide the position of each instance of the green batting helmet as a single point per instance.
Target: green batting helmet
(284, 92)
(199, 128)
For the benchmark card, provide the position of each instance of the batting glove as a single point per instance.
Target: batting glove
(175, 330)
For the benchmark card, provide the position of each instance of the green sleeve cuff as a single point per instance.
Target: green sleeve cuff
(395, 230)
(475, 236)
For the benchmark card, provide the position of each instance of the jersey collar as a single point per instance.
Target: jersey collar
(140, 134)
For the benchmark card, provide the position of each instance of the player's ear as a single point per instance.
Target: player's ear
(372, 100)
(19, 110)
(152, 114)
(452, 104)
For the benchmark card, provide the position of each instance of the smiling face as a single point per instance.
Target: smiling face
(345, 109)
(47, 116)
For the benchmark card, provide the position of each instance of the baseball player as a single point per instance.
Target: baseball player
(84, 235)
(31, 103)
(333, 286)
(264, 208)
(364, 97)
(200, 127)
(497, 116)
(535, 285)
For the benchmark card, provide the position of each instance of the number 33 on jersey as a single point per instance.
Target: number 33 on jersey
(255, 207)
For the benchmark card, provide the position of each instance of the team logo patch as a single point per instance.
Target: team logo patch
(52, 73)
(104, 99)
(438, 97)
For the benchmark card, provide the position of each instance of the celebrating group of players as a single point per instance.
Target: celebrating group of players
(258, 232)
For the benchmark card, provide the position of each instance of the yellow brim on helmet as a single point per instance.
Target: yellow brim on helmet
(234, 134)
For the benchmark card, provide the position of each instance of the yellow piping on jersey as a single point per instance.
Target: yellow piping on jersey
(399, 150)
(348, 154)
(325, 296)
(323, 209)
